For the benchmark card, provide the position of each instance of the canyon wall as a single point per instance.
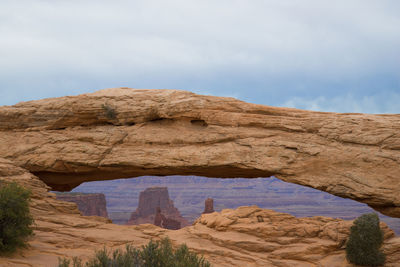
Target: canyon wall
(69, 140)
(89, 204)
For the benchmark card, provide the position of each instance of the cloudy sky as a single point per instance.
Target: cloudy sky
(341, 55)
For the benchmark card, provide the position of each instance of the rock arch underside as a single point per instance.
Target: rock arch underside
(59, 143)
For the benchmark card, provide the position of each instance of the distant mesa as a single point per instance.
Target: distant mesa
(157, 208)
(89, 204)
(208, 206)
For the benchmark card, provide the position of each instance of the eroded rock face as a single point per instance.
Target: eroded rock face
(90, 204)
(69, 140)
(152, 199)
(227, 238)
(279, 239)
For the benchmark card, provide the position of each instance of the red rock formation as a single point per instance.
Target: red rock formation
(158, 218)
(151, 199)
(208, 206)
(164, 222)
(171, 224)
(88, 204)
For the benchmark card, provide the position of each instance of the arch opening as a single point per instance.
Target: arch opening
(188, 194)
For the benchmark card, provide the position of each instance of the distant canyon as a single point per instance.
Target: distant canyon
(189, 193)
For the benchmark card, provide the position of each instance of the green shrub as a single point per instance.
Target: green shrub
(63, 262)
(15, 218)
(76, 262)
(154, 254)
(110, 112)
(365, 240)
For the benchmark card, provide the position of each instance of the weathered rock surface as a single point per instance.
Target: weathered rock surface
(267, 238)
(149, 201)
(66, 141)
(90, 204)
(229, 238)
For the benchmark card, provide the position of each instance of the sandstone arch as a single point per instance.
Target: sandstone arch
(117, 133)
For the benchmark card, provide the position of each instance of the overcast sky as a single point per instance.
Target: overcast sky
(341, 55)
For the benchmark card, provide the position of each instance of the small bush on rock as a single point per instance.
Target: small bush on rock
(365, 240)
(15, 218)
(154, 254)
(109, 111)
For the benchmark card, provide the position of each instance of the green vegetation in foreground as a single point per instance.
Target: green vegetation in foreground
(154, 254)
(365, 240)
(15, 218)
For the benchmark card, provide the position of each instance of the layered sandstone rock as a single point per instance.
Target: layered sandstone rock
(266, 238)
(66, 141)
(229, 238)
(152, 199)
(90, 204)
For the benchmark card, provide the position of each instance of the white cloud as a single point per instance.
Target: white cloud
(279, 36)
(48, 48)
(348, 103)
